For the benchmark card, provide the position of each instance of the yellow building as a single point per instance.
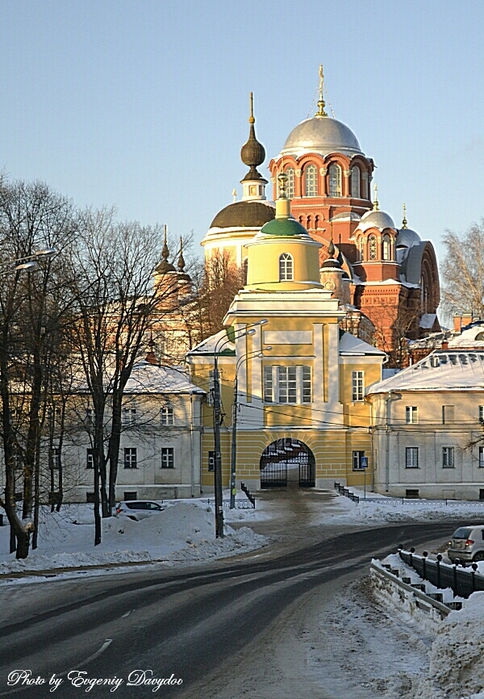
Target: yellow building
(290, 379)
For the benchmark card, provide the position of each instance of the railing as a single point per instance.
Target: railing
(347, 493)
(245, 490)
(463, 581)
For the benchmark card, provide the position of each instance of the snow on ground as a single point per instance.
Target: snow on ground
(364, 639)
(183, 532)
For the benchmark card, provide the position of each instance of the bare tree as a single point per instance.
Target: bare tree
(32, 219)
(463, 272)
(112, 269)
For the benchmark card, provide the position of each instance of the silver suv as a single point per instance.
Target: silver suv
(467, 544)
(138, 509)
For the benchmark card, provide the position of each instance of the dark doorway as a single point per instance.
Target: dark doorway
(287, 459)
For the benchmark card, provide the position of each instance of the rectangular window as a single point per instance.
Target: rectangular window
(481, 457)
(448, 457)
(129, 416)
(89, 458)
(211, 461)
(358, 460)
(167, 457)
(54, 461)
(411, 457)
(357, 386)
(287, 384)
(167, 417)
(447, 414)
(411, 414)
(130, 458)
(481, 413)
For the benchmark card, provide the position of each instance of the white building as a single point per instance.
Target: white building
(428, 424)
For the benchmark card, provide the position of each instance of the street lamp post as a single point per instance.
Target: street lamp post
(233, 459)
(217, 467)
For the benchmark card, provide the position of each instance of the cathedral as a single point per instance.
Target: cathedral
(385, 277)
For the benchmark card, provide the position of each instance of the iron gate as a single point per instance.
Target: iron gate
(285, 456)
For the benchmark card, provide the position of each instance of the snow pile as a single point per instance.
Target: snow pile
(457, 656)
(183, 532)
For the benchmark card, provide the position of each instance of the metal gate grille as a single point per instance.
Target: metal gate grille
(283, 458)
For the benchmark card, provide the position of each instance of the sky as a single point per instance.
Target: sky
(144, 104)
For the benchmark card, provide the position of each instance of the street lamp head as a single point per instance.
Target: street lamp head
(47, 252)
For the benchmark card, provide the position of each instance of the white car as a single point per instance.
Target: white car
(138, 509)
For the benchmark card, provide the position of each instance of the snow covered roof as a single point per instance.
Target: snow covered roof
(350, 345)
(442, 370)
(150, 378)
(209, 345)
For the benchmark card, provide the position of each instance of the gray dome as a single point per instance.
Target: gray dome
(323, 135)
(244, 214)
(406, 238)
(375, 219)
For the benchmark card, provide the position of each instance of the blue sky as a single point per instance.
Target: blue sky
(143, 104)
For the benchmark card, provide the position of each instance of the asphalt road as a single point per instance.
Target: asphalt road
(190, 627)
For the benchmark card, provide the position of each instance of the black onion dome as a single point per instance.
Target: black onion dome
(244, 214)
(252, 153)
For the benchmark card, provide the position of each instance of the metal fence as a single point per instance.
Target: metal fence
(463, 581)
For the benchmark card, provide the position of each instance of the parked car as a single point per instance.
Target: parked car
(138, 509)
(467, 544)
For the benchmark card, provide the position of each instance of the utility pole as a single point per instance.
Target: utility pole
(219, 513)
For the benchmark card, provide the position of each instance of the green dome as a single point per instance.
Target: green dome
(284, 228)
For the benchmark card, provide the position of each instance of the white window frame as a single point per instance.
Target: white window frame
(481, 457)
(129, 417)
(130, 458)
(355, 182)
(448, 457)
(290, 189)
(356, 460)
(288, 384)
(357, 386)
(334, 174)
(286, 267)
(167, 458)
(311, 180)
(90, 458)
(411, 414)
(167, 416)
(411, 457)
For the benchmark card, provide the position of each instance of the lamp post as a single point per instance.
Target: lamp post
(233, 459)
(217, 469)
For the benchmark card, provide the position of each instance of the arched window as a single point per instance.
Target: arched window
(285, 267)
(387, 247)
(290, 183)
(372, 247)
(311, 180)
(245, 269)
(361, 245)
(334, 180)
(355, 182)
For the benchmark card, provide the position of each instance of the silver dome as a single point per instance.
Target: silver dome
(406, 238)
(322, 135)
(375, 219)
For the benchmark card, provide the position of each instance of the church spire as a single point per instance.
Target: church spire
(376, 203)
(404, 220)
(253, 154)
(321, 103)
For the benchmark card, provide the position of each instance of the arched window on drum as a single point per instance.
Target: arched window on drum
(290, 183)
(372, 251)
(311, 181)
(286, 273)
(355, 182)
(334, 180)
(387, 247)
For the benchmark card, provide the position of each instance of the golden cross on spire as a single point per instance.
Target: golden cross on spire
(404, 221)
(376, 205)
(321, 104)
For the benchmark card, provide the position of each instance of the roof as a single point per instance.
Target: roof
(244, 214)
(150, 378)
(284, 227)
(220, 342)
(443, 370)
(350, 345)
(321, 134)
